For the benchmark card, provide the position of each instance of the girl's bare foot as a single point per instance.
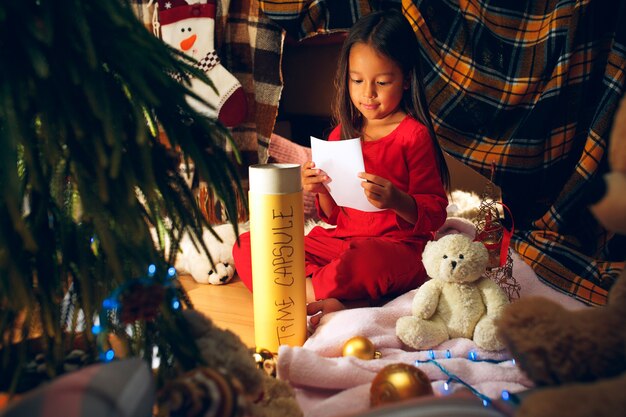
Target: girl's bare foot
(317, 309)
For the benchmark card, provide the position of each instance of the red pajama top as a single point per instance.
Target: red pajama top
(406, 157)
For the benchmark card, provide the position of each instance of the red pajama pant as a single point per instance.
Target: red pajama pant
(350, 268)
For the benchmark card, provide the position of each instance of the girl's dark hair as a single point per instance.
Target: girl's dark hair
(391, 35)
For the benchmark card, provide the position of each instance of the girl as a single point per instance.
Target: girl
(371, 255)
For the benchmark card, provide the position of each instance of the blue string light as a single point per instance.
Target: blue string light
(93, 245)
(473, 356)
(110, 304)
(107, 320)
(506, 395)
(453, 378)
(108, 355)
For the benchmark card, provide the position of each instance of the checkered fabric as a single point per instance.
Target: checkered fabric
(209, 61)
(305, 18)
(205, 64)
(250, 46)
(531, 86)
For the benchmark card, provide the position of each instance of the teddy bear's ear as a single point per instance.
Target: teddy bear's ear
(609, 203)
(429, 244)
(610, 209)
(429, 249)
(480, 248)
(480, 251)
(617, 142)
(428, 254)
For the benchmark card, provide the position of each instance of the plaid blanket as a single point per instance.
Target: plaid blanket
(532, 88)
(529, 87)
(251, 45)
(305, 18)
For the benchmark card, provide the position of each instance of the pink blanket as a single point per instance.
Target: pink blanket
(328, 384)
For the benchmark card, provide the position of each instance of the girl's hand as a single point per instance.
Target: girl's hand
(380, 191)
(318, 309)
(382, 194)
(313, 179)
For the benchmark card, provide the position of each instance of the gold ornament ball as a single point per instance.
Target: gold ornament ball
(265, 361)
(360, 347)
(398, 382)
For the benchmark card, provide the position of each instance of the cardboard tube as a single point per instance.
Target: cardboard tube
(277, 245)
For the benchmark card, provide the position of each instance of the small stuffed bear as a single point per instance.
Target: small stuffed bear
(230, 383)
(457, 301)
(218, 270)
(578, 358)
(579, 355)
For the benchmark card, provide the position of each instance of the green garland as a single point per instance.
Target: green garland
(84, 89)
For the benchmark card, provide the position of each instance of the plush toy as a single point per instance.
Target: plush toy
(218, 270)
(457, 301)
(577, 358)
(221, 268)
(189, 26)
(230, 384)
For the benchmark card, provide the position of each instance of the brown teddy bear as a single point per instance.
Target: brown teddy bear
(577, 358)
(231, 383)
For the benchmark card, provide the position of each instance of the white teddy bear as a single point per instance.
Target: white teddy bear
(194, 261)
(457, 301)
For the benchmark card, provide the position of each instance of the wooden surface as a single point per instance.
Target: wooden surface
(228, 305)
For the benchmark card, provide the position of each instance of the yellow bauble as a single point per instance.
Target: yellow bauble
(360, 347)
(398, 382)
(265, 361)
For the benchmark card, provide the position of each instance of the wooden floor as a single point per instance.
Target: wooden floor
(229, 305)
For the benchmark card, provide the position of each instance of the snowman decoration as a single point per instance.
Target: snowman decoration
(189, 26)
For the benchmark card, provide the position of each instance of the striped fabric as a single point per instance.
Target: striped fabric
(250, 46)
(305, 18)
(529, 86)
(532, 88)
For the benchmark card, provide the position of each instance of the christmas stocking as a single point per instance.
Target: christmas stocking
(189, 26)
